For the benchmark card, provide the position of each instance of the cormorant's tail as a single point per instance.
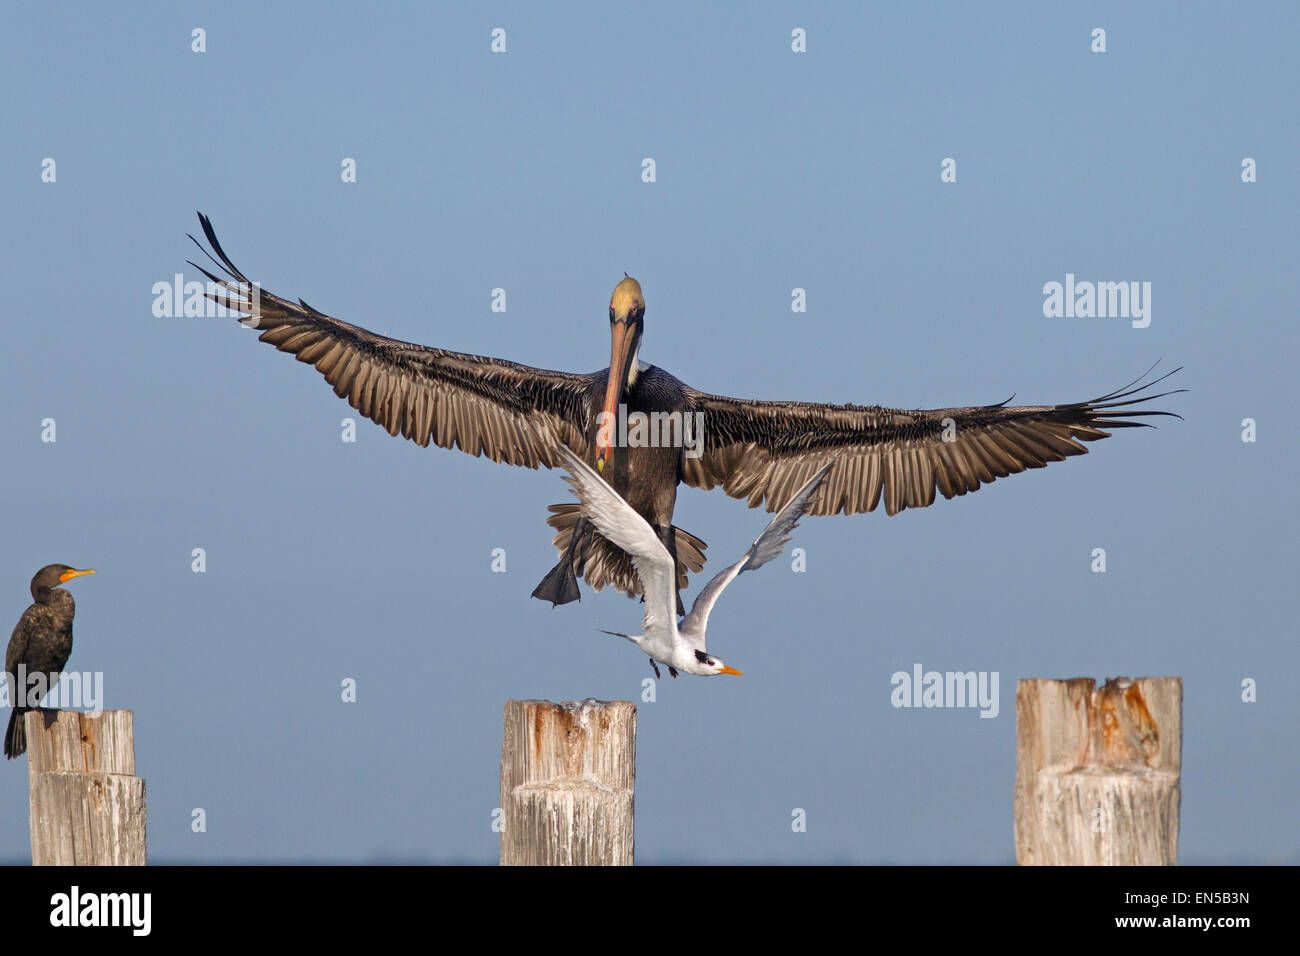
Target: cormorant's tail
(16, 733)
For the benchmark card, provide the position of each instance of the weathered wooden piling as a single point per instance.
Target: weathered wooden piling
(1097, 771)
(568, 774)
(87, 805)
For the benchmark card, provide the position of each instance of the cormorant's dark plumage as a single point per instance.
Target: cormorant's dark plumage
(41, 643)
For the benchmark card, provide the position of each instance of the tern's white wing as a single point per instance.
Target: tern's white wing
(615, 519)
(768, 545)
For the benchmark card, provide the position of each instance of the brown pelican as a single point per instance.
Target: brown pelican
(680, 647)
(761, 451)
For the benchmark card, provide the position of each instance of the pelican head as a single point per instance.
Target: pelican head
(626, 322)
(626, 301)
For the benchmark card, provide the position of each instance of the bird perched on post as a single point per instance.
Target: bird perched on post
(40, 644)
(680, 647)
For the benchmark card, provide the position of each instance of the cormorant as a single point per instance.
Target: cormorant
(40, 643)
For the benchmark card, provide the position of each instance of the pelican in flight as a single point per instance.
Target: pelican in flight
(680, 647)
(756, 450)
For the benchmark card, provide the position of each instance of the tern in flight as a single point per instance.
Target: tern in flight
(680, 647)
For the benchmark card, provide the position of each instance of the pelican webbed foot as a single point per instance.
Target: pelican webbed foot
(560, 586)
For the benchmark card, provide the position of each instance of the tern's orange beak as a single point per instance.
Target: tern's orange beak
(622, 340)
(70, 574)
(731, 670)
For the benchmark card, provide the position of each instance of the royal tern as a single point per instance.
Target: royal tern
(681, 647)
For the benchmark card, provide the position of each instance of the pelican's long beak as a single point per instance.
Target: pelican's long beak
(70, 574)
(731, 670)
(622, 347)
(622, 342)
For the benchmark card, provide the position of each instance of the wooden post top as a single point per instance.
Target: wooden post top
(589, 740)
(70, 741)
(1127, 723)
(1097, 771)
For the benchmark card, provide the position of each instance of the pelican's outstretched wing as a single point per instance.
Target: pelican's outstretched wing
(509, 412)
(761, 450)
(767, 546)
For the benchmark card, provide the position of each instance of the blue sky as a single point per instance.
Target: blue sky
(774, 171)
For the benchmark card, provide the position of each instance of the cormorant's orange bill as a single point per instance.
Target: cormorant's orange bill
(731, 670)
(69, 574)
(622, 339)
